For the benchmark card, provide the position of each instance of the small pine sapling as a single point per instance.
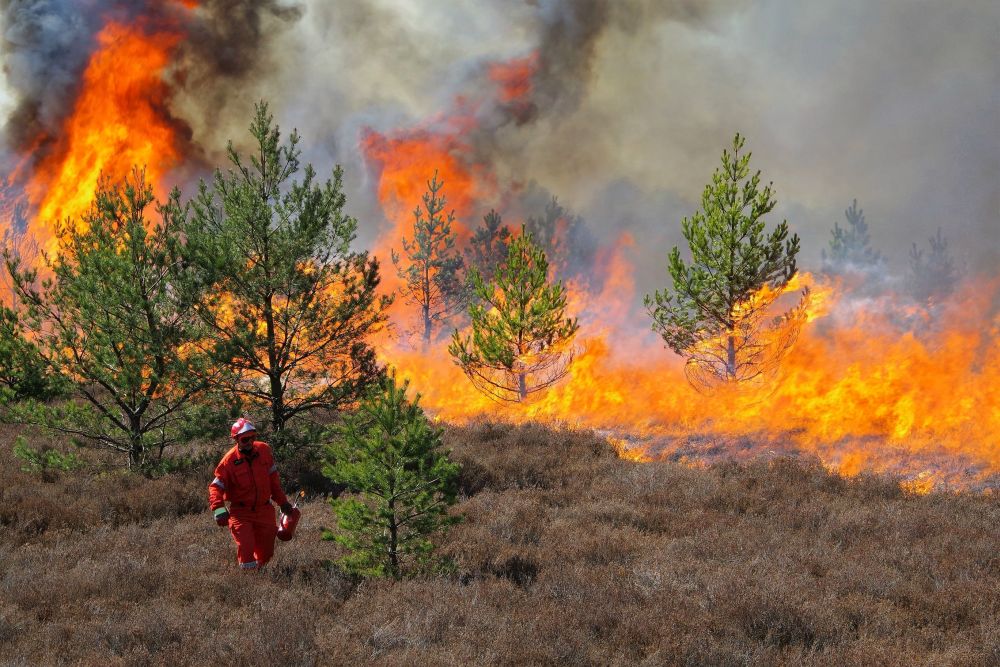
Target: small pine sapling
(402, 485)
(933, 275)
(850, 246)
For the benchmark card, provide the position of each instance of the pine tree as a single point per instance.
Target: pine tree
(431, 272)
(23, 372)
(293, 305)
(488, 246)
(390, 457)
(521, 338)
(717, 313)
(850, 247)
(934, 275)
(112, 322)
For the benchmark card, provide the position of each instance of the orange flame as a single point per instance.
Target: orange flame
(514, 78)
(118, 121)
(407, 162)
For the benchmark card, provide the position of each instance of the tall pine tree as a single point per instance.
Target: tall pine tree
(113, 322)
(294, 306)
(430, 265)
(718, 313)
(521, 338)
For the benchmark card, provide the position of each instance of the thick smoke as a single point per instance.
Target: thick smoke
(45, 47)
(226, 63)
(894, 103)
(47, 43)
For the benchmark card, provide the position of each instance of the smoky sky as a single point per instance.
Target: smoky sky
(895, 103)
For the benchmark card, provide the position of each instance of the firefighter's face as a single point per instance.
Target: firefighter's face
(245, 441)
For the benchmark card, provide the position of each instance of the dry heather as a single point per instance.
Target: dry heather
(567, 556)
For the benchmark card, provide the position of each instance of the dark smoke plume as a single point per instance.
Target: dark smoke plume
(223, 66)
(46, 45)
(45, 48)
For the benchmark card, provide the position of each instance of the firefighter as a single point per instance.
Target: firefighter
(247, 478)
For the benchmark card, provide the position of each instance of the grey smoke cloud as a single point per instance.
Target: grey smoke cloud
(45, 47)
(895, 103)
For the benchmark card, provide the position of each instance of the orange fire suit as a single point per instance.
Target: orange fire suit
(249, 483)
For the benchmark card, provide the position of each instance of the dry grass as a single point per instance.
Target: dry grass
(568, 555)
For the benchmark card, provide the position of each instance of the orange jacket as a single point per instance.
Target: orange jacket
(247, 482)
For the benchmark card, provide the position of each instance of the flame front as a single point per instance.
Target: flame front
(860, 387)
(860, 397)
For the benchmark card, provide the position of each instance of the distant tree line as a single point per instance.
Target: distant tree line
(932, 273)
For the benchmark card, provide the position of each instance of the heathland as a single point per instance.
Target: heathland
(567, 555)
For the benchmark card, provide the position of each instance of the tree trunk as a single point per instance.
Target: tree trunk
(274, 375)
(135, 452)
(393, 538)
(731, 358)
(522, 387)
(427, 325)
(277, 403)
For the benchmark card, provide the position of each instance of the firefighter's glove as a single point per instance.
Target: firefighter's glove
(222, 516)
(286, 508)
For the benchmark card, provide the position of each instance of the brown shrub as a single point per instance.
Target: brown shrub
(567, 555)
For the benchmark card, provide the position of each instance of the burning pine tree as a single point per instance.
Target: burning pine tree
(293, 306)
(719, 313)
(521, 338)
(432, 273)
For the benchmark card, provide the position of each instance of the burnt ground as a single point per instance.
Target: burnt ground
(567, 555)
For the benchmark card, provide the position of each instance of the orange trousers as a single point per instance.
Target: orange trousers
(254, 532)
